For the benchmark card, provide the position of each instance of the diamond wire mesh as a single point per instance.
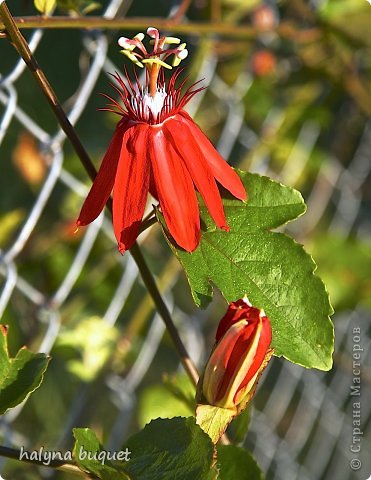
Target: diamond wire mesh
(301, 426)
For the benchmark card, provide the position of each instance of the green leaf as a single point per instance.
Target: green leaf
(274, 271)
(235, 462)
(214, 420)
(45, 6)
(171, 448)
(19, 376)
(92, 458)
(165, 449)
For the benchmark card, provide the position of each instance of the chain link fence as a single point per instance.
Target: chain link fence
(302, 425)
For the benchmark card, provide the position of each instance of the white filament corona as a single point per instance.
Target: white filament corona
(156, 103)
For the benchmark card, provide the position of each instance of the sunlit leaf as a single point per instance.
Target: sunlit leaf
(214, 420)
(92, 458)
(171, 448)
(19, 376)
(45, 6)
(274, 272)
(165, 449)
(235, 462)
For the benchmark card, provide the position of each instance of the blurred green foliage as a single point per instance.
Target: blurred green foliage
(344, 266)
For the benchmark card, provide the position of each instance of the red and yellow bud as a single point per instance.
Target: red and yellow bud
(240, 354)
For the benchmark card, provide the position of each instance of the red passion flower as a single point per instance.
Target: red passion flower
(158, 148)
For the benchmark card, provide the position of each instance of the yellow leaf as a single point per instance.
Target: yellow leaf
(45, 6)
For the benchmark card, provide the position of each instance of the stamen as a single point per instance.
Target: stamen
(139, 36)
(132, 57)
(180, 55)
(172, 40)
(157, 58)
(153, 32)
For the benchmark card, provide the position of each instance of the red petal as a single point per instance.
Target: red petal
(232, 355)
(222, 171)
(239, 348)
(152, 187)
(182, 140)
(264, 342)
(236, 312)
(103, 182)
(175, 191)
(131, 186)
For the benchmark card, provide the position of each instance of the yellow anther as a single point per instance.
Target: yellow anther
(172, 40)
(157, 61)
(176, 61)
(132, 57)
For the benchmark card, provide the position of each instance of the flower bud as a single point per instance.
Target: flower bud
(240, 354)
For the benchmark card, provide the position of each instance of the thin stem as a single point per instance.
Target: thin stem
(216, 11)
(22, 48)
(132, 23)
(150, 214)
(164, 312)
(60, 465)
(147, 223)
(182, 10)
(224, 29)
